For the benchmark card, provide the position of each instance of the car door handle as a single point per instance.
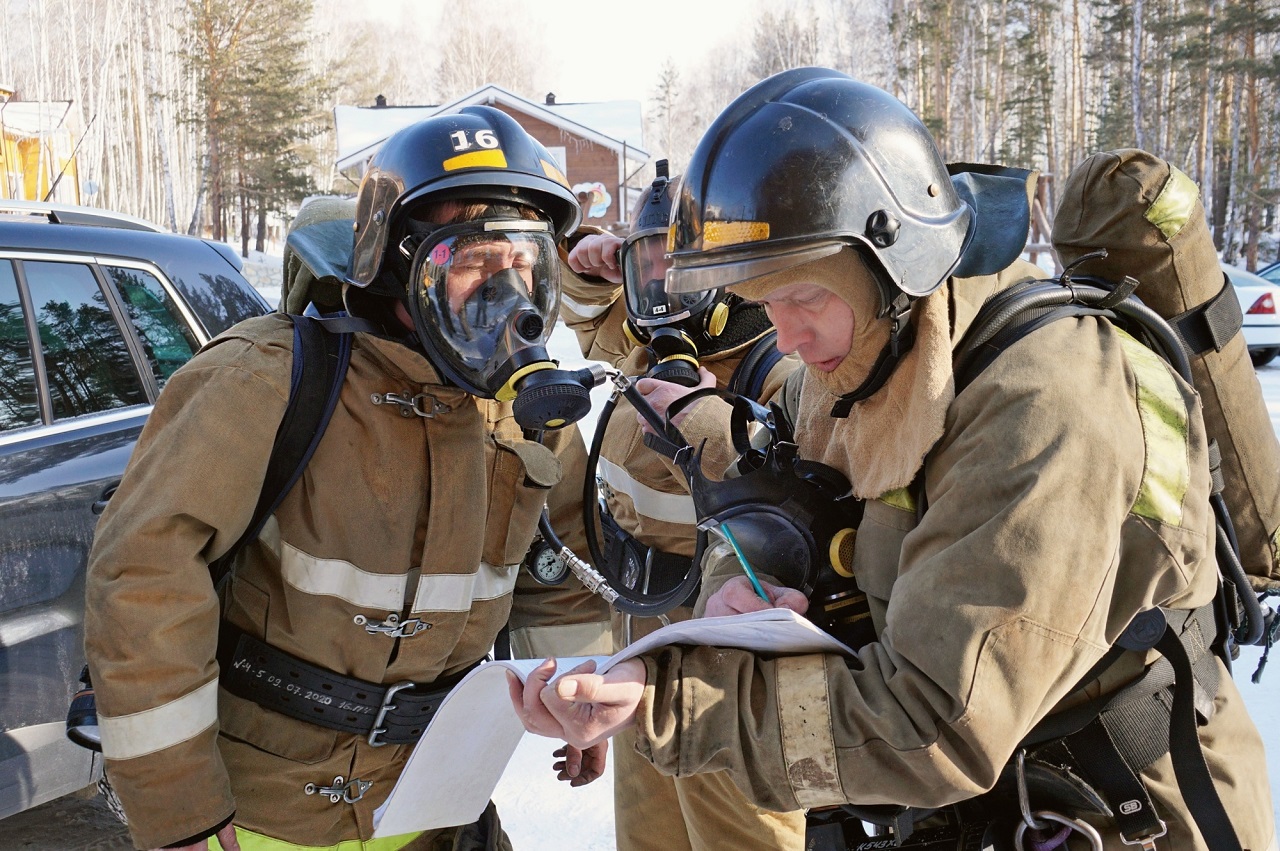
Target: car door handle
(101, 504)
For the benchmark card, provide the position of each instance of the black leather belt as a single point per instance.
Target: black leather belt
(396, 714)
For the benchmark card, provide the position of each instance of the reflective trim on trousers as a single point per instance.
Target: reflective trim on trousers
(250, 841)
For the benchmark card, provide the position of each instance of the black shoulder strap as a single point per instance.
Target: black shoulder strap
(320, 360)
(753, 370)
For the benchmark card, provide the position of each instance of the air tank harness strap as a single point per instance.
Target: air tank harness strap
(1211, 325)
(1113, 738)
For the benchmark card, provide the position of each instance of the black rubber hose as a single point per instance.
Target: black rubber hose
(1249, 632)
(590, 492)
(625, 600)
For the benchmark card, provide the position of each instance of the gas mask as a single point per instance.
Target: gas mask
(666, 324)
(786, 517)
(483, 296)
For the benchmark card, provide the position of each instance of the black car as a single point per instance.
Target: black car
(96, 312)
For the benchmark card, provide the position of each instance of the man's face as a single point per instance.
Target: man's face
(476, 260)
(813, 322)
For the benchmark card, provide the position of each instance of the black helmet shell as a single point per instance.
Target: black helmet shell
(479, 153)
(811, 156)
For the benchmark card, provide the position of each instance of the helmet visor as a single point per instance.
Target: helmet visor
(644, 276)
(696, 271)
(481, 293)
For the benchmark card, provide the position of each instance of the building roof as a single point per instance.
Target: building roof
(26, 119)
(616, 125)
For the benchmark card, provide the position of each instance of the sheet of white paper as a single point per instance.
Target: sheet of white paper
(454, 768)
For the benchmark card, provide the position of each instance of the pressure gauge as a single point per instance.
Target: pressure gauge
(545, 563)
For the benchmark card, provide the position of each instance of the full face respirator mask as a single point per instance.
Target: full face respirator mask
(671, 326)
(791, 519)
(483, 296)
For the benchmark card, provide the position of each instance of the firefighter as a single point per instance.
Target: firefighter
(617, 303)
(1016, 529)
(276, 712)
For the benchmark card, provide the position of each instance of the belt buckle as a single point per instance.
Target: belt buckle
(387, 706)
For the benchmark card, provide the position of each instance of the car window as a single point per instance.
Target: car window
(86, 358)
(166, 339)
(19, 405)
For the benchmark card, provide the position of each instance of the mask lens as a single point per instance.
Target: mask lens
(771, 544)
(644, 275)
(482, 292)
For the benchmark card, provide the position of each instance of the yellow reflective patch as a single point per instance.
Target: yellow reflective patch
(900, 499)
(250, 841)
(552, 172)
(1173, 206)
(476, 159)
(1163, 412)
(721, 234)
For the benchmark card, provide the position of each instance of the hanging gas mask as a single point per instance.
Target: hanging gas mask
(786, 517)
(483, 296)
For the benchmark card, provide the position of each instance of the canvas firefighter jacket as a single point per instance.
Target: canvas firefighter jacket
(1068, 492)
(417, 517)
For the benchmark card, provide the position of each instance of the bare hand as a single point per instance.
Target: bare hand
(226, 838)
(583, 708)
(597, 254)
(660, 394)
(737, 597)
(580, 767)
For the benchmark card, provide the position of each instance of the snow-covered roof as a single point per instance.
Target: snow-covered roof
(28, 118)
(613, 124)
(361, 129)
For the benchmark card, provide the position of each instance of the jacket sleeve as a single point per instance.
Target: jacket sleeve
(1008, 590)
(565, 619)
(152, 615)
(592, 308)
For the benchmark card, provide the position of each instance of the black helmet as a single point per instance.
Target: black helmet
(644, 263)
(804, 162)
(477, 154)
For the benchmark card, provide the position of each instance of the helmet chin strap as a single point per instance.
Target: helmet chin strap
(902, 336)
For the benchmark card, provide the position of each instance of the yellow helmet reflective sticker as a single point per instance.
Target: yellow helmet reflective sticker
(554, 173)
(1173, 206)
(476, 159)
(721, 234)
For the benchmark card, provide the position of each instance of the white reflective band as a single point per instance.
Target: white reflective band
(454, 592)
(331, 577)
(808, 742)
(151, 730)
(586, 311)
(667, 507)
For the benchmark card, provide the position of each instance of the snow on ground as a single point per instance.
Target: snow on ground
(542, 814)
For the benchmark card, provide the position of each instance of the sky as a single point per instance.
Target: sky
(607, 50)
